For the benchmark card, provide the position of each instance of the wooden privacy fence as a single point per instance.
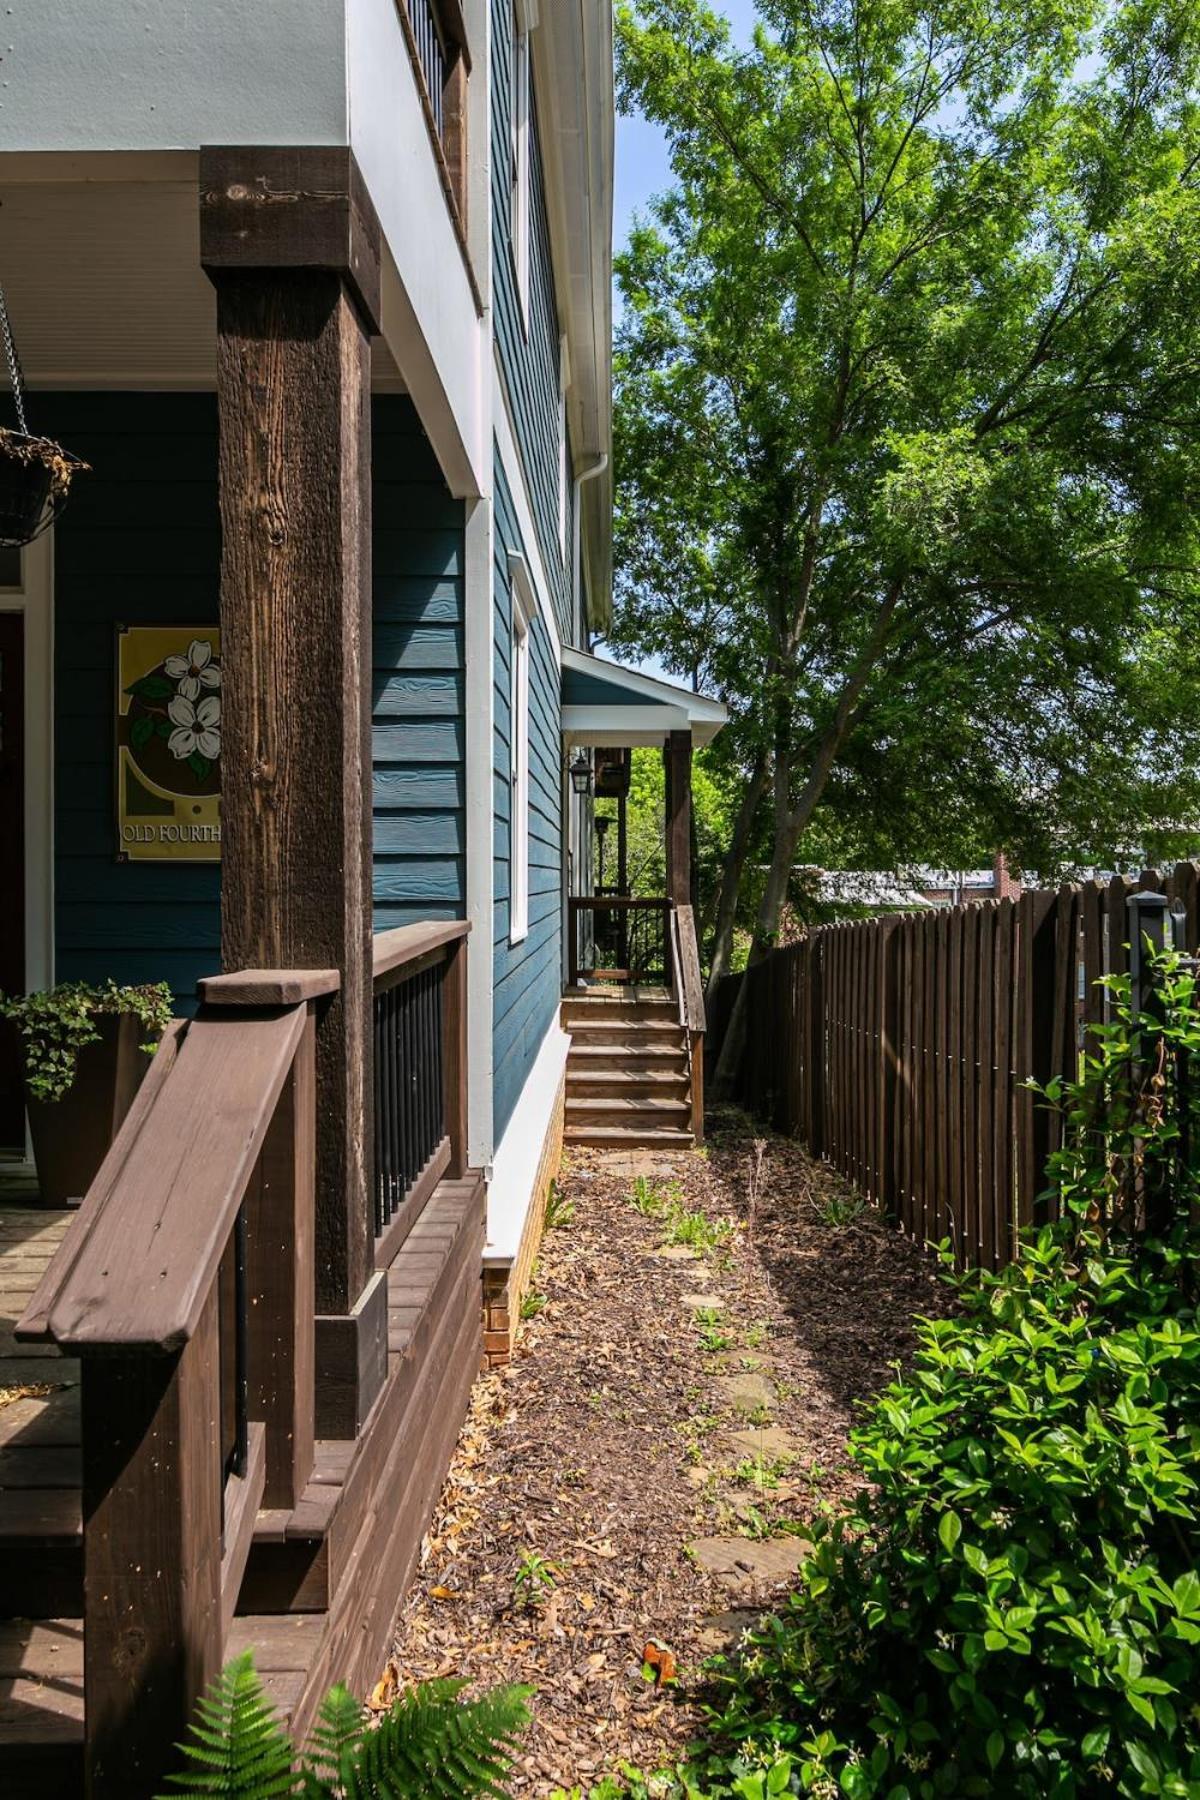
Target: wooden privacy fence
(899, 1049)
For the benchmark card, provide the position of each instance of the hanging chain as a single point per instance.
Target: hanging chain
(14, 367)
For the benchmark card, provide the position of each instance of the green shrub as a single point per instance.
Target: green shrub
(1012, 1606)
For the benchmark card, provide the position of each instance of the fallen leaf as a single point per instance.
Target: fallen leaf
(658, 1663)
(386, 1688)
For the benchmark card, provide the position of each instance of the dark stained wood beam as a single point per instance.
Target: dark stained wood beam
(281, 207)
(678, 754)
(294, 304)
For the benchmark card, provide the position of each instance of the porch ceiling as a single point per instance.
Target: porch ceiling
(103, 276)
(608, 706)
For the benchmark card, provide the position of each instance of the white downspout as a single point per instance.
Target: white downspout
(597, 468)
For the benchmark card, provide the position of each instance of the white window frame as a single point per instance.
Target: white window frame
(524, 606)
(524, 19)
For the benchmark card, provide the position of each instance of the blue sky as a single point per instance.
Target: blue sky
(642, 166)
(643, 170)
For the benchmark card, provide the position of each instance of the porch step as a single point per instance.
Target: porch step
(626, 1137)
(616, 1030)
(650, 1054)
(589, 1006)
(620, 1110)
(667, 1081)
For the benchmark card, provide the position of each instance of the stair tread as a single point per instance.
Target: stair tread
(629, 1077)
(627, 1136)
(621, 1104)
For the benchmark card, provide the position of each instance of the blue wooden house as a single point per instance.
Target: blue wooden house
(299, 712)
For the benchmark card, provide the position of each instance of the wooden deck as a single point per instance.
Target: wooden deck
(319, 1579)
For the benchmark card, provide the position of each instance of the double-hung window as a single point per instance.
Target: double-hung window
(522, 615)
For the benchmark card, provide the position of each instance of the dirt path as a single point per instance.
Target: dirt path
(642, 1473)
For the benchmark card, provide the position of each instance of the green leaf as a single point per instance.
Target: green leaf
(199, 765)
(141, 731)
(949, 1530)
(152, 687)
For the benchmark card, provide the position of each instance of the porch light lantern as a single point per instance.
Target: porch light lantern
(581, 774)
(35, 472)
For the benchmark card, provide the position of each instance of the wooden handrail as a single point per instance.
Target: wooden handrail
(689, 982)
(410, 943)
(144, 1291)
(143, 1252)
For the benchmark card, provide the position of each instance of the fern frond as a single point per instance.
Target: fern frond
(236, 1743)
(336, 1738)
(430, 1746)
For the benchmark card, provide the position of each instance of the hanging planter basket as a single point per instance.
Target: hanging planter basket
(35, 472)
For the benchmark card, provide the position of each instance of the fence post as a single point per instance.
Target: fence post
(889, 1030)
(1147, 938)
(816, 1042)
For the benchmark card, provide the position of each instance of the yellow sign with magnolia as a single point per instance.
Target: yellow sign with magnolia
(169, 743)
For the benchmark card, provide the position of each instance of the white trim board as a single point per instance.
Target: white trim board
(35, 601)
(514, 468)
(514, 1171)
(479, 725)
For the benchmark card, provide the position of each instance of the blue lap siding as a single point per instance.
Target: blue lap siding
(529, 345)
(418, 676)
(140, 544)
(527, 977)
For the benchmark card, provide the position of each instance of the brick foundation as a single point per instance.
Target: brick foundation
(505, 1284)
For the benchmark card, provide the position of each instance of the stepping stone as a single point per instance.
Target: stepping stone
(724, 1630)
(699, 1302)
(744, 1565)
(768, 1441)
(747, 1392)
(678, 1253)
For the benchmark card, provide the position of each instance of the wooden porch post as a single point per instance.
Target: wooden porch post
(679, 817)
(291, 243)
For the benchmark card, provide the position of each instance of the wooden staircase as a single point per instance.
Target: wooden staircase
(629, 1074)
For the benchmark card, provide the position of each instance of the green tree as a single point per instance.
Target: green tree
(907, 409)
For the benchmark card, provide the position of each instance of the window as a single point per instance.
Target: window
(522, 614)
(520, 98)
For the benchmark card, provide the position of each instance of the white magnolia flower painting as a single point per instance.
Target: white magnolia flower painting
(197, 728)
(194, 672)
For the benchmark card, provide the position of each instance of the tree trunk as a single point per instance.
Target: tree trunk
(730, 888)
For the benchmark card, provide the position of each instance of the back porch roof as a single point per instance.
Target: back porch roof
(607, 705)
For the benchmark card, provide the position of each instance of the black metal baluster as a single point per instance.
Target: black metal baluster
(439, 1075)
(380, 1167)
(393, 1100)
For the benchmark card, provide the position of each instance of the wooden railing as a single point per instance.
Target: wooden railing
(441, 61)
(197, 1374)
(616, 938)
(420, 1072)
(689, 993)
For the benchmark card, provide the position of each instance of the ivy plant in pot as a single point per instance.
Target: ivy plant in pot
(35, 472)
(84, 1051)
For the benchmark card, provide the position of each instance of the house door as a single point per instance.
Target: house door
(12, 864)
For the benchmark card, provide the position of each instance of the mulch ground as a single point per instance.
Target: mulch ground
(595, 1470)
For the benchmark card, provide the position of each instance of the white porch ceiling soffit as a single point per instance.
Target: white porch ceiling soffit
(573, 70)
(100, 257)
(608, 706)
